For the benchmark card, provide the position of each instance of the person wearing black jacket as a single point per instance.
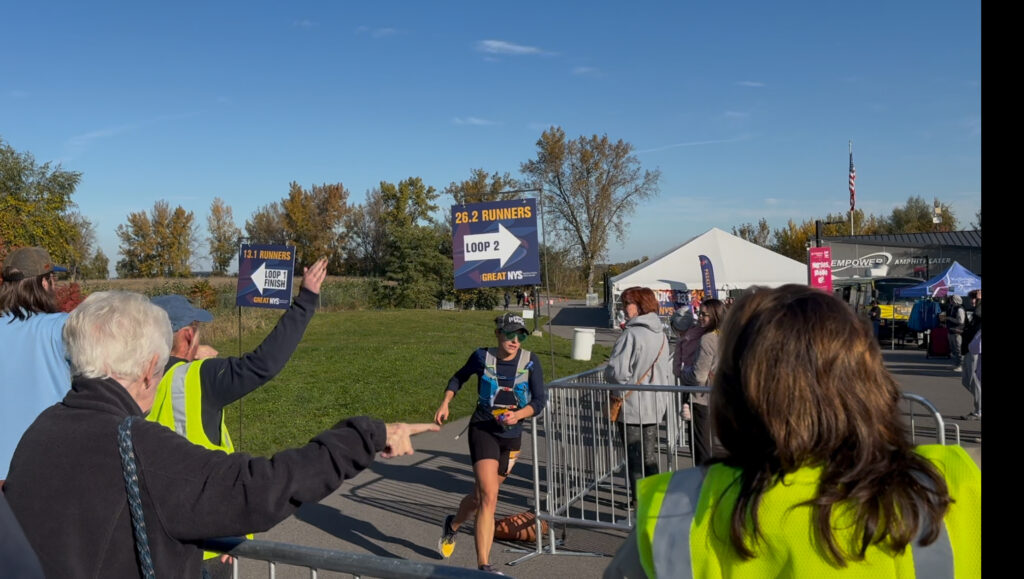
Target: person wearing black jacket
(67, 489)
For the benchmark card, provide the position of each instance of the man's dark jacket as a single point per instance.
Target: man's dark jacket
(67, 491)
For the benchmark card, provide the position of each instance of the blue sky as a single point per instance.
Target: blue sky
(746, 107)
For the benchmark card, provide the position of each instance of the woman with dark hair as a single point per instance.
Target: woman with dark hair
(641, 355)
(700, 373)
(38, 374)
(819, 477)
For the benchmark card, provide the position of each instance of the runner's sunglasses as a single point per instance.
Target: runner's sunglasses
(516, 336)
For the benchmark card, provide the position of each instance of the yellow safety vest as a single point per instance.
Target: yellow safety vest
(179, 406)
(179, 403)
(683, 522)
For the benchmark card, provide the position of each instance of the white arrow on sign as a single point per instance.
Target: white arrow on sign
(275, 279)
(484, 246)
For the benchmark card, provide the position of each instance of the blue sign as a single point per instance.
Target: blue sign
(265, 276)
(495, 244)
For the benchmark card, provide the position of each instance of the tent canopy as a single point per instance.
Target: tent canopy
(738, 264)
(955, 281)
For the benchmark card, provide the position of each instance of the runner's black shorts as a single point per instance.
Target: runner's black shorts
(484, 444)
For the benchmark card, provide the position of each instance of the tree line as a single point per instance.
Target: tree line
(793, 239)
(590, 186)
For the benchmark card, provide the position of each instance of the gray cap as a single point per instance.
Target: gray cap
(180, 311)
(957, 299)
(26, 262)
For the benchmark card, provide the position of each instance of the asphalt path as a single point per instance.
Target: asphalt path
(395, 507)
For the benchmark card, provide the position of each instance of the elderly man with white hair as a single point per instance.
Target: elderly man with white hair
(67, 483)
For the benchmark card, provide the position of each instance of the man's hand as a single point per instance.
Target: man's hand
(314, 275)
(399, 435)
(203, 352)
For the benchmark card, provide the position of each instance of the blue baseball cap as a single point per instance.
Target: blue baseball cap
(180, 311)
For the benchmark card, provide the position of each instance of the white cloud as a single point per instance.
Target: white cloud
(379, 32)
(750, 83)
(771, 201)
(475, 121)
(502, 47)
(586, 71)
(79, 143)
(696, 144)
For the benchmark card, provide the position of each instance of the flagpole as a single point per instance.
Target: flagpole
(852, 190)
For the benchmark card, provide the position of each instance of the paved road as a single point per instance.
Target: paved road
(395, 507)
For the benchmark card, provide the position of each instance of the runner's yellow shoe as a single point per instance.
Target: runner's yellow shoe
(446, 544)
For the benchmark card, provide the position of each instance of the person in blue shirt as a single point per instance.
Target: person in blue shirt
(510, 390)
(36, 370)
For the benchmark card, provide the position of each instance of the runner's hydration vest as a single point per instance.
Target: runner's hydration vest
(489, 386)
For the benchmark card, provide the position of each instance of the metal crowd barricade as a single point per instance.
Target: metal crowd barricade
(587, 464)
(587, 459)
(315, 559)
(940, 424)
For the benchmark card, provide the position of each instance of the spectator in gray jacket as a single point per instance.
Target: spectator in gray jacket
(641, 355)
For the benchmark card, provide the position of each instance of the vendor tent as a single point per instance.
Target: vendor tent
(738, 264)
(957, 280)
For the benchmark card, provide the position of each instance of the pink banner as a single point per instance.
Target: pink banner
(819, 268)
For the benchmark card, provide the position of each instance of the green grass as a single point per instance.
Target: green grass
(391, 364)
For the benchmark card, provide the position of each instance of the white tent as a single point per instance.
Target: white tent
(737, 263)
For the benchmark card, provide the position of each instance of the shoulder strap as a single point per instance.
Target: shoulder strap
(131, 480)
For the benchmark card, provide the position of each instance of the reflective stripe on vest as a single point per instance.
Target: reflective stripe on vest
(666, 522)
(520, 383)
(668, 505)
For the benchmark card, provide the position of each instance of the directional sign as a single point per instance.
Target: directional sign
(270, 279)
(265, 276)
(495, 244)
(483, 246)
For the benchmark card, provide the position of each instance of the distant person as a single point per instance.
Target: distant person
(36, 374)
(875, 315)
(969, 376)
(620, 319)
(701, 373)
(819, 477)
(67, 484)
(510, 390)
(688, 334)
(519, 298)
(956, 319)
(508, 299)
(197, 386)
(641, 355)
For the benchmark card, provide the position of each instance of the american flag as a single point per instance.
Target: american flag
(853, 186)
